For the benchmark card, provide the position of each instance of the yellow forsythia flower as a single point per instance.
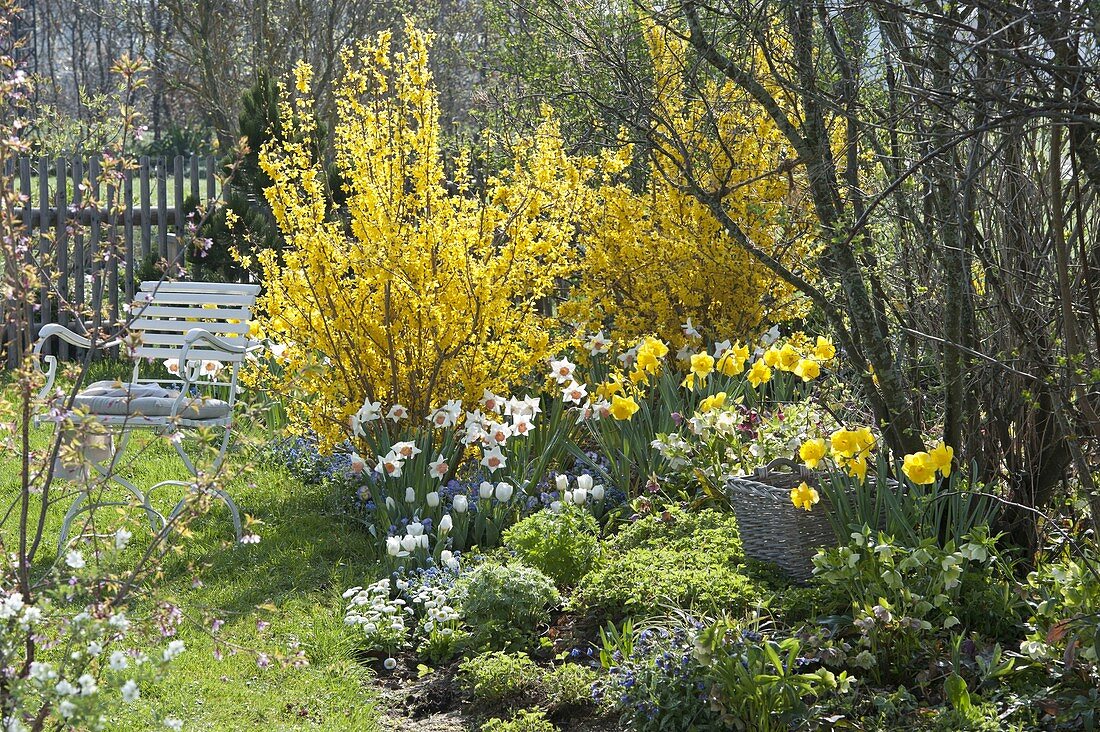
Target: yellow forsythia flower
(804, 496)
(759, 374)
(623, 408)
(812, 452)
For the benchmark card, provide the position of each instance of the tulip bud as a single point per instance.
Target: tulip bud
(567, 497)
(580, 496)
(393, 546)
(597, 492)
(445, 524)
(562, 482)
(485, 490)
(422, 541)
(460, 504)
(410, 495)
(503, 492)
(433, 499)
(584, 482)
(390, 503)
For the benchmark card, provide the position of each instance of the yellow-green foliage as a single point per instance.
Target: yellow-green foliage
(428, 290)
(655, 257)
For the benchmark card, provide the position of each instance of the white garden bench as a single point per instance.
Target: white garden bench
(190, 327)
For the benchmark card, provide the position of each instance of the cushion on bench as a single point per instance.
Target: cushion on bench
(115, 399)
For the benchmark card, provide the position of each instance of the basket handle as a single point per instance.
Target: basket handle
(783, 462)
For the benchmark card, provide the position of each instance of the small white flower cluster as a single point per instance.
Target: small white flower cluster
(26, 616)
(375, 611)
(438, 615)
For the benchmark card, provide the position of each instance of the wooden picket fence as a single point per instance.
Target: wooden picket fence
(74, 236)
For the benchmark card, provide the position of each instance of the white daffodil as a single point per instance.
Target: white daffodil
(491, 402)
(494, 459)
(390, 466)
(522, 426)
(690, 331)
(405, 450)
(172, 365)
(562, 370)
(211, 369)
(575, 393)
(720, 348)
(358, 464)
(498, 432)
(598, 344)
(438, 469)
(397, 413)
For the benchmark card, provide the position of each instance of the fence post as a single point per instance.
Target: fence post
(79, 260)
(146, 218)
(61, 248)
(162, 208)
(47, 267)
(128, 230)
(179, 255)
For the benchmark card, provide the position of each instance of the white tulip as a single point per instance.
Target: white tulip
(410, 495)
(562, 482)
(433, 499)
(460, 504)
(567, 497)
(556, 506)
(416, 528)
(390, 504)
(485, 490)
(597, 492)
(393, 546)
(584, 482)
(409, 542)
(503, 492)
(580, 496)
(446, 524)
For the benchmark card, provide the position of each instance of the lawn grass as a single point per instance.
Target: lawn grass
(291, 580)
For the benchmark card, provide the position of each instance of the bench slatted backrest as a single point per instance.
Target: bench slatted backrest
(164, 312)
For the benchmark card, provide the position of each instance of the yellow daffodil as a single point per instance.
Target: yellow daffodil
(845, 443)
(647, 360)
(759, 374)
(807, 369)
(812, 452)
(919, 468)
(941, 456)
(771, 357)
(824, 350)
(689, 382)
(713, 402)
(609, 389)
(702, 364)
(804, 496)
(788, 358)
(857, 466)
(623, 408)
(733, 360)
(638, 375)
(864, 438)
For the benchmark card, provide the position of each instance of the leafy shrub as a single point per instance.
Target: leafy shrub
(690, 560)
(503, 604)
(900, 594)
(569, 684)
(561, 545)
(1065, 612)
(496, 677)
(523, 721)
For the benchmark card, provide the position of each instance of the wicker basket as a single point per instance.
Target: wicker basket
(772, 529)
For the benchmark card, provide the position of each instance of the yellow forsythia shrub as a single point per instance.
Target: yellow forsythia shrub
(425, 288)
(658, 256)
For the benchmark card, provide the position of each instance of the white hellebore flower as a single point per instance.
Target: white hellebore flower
(485, 490)
(122, 538)
(575, 393)
(503, 492)
(130, 691)
(74, 559)
(494, 459)
(446, 524)
(460, 504)
(397, 413)
(432, 499)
